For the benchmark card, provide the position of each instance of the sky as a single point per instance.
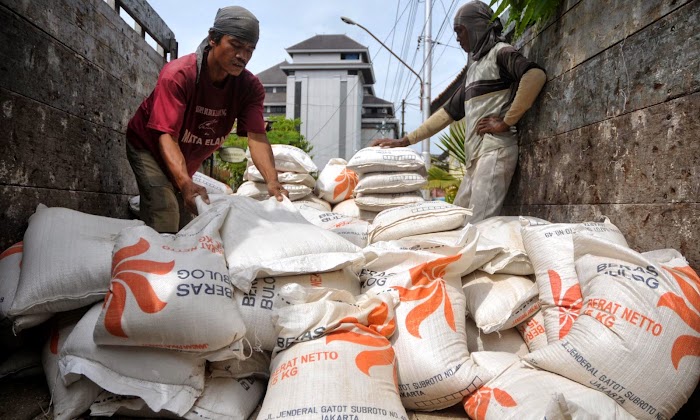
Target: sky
(398, 23)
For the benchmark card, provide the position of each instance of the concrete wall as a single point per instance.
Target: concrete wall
(615, 130)
(71, 75)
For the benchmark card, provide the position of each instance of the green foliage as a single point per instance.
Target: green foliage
(453, 142)
(526, 12)
(283, 131)
(439, 178)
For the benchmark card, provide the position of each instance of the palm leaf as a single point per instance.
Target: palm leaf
(453, 143)
(440, 178)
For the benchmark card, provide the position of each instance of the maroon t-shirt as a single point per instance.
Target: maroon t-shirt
(199, 115)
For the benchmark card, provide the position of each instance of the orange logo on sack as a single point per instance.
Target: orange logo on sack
(125, 274)
(685, 345)
(427, 283)
(569, 305)
(373, 335)
(14, 249)
(53, 341)
(476, 404)
(347, 181)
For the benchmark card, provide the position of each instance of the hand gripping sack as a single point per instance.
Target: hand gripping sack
(333, 358)
(164, 379)
(253, 174)
(379, 202)
(551, 251)
(271, 238)
(378, 159)
(638, 336)
(499, 301)
(289, 158)
(507, 341)
(171, 291)
(390, 182)
(72, 400)
(430, 317)
(336, 182)
(350, 228)
(210, 184)
(258, 306)
(258, 190)
(533, 332)
(417, 219)
(524, 392)
(66, 261)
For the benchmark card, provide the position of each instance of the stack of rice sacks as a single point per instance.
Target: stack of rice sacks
(294, 168)
(388, 178)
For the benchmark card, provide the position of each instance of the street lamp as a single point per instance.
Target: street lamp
(425, 100)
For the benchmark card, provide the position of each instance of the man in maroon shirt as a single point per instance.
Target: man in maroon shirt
(188, 116)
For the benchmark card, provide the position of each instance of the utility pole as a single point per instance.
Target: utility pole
(427, 75)
(403, 118)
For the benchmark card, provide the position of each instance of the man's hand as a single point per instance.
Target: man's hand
(491, 125)
(275, 189)
(402, 142)
(191, 190)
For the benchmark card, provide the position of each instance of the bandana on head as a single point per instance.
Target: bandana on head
(483, 34)
(234, 21)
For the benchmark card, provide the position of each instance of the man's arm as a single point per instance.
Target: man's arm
(430, 127)
(175, 162)
(264, 160)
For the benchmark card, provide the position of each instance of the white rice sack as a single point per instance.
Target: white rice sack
(378, 159)
(334, 358)
(350, 228)
(523, 391)
(430, 317)
(379, 202)
(336, 182)
(258, 191)
(533, 332)
(109, 404)
(417, 219)
(505, 231)
(551, 251)
(164, 379)
(69, 401)
(485, 249)
(348, 208)
(258, 306)
(499, 301)
(507, 341)
(314, 202)
(22, 322)
(289, 159)
(10, 268)
(257, 365)
(171, 291)
(253, 174)
(368, 216)
(272, 238)
(210, 184)
(637, 316)
(67, 259)
(390, 182)
(494, 361)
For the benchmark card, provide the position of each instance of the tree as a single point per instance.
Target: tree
(525, 12)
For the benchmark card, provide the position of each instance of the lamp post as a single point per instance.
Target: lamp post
(424, 94)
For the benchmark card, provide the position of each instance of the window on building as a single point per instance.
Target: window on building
(278, 109)
(282, 89)
(269, 89)
(349, 56)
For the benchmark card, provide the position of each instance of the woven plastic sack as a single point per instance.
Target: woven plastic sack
(551, 251)
(336, 183)
(417, 219)
(523, 391)
(496, 362)
(258, 190)
(164, 379)
(379, 202)
(272, 238)
(259, 305)
(532, 331)
(253, 174)
(506, 341)
(289, 159)
(378, 159)
(10, 268)
(499, 301)
(171, 291)
(637, 316)
(66, 262)
(333, 358)
(430, 317)
(390, 182)
(210, 184)
(348, 208)
(257, 365)
(350, 228)
(314, 202)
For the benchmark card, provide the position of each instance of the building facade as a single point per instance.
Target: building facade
(328, 85)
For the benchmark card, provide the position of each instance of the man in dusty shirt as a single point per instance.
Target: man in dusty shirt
(188, 116)
(499, 86)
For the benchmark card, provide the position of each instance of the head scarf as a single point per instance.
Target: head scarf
(483, 34)
(235, 21)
